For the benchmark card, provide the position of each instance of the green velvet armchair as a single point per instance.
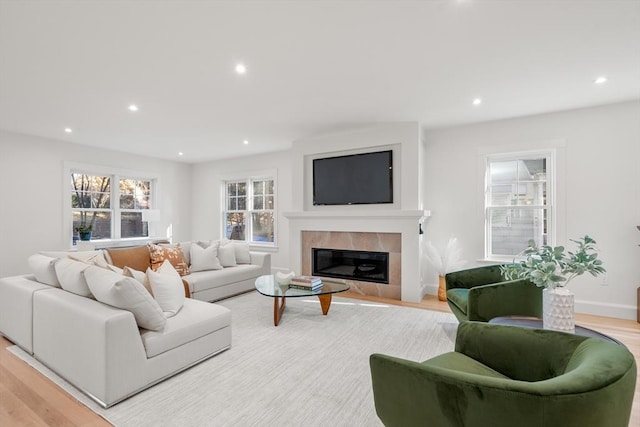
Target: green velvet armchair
(508, 376)
(482, 293)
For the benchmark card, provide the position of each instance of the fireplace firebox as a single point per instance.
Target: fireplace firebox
(347, 264)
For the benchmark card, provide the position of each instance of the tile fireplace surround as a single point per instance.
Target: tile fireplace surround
(392, 231)
(359, 241)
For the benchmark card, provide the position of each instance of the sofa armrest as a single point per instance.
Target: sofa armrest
(94, 346)
(515, 297)
(262, 259)
(16, 308)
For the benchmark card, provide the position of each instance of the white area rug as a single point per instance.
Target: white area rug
(311, 370)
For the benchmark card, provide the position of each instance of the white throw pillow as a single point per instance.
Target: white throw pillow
(98, 260)
(69, 273)
(242, 252)
(167, 287)
(140, 276)
(43, 268)
(204, 258)
(125, 293)
(227, 254)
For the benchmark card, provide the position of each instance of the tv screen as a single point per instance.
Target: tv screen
(355, 179)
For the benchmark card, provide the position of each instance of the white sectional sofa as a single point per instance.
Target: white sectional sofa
(101, 349)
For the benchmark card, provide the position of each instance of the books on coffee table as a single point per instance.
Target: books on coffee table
(306, 282)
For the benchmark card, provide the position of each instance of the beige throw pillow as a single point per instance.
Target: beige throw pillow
(43, 268)
(69, 273)
(167, 287)
(204, 258)
(140, 276)
(227, 254)
(125, 293)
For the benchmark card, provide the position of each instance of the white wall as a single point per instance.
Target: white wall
(32, 193)
(599, 191)
(208, 178)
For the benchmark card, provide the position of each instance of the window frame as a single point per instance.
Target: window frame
(249, 208)
(550, 207)
(116, 211)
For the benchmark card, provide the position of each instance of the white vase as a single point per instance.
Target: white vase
(558, 310)
(284, 278)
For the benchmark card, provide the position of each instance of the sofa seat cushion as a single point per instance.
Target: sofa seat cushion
(459, 297)
(195, 320)
(203, 280)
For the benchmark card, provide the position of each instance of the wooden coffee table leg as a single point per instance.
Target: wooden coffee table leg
(325, 303)
(278, 308)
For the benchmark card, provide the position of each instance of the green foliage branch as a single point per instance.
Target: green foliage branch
(550, 267)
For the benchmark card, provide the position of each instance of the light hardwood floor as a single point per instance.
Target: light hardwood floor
(27, 398)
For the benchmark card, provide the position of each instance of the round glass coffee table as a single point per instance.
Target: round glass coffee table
(268, 286)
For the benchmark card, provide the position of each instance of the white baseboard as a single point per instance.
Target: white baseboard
(618, 311)
(429, 289)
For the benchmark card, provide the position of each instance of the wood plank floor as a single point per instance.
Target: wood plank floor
(27, 398)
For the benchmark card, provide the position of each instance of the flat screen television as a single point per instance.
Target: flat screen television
(355, 179)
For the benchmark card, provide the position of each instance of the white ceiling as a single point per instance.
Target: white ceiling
(313, 67)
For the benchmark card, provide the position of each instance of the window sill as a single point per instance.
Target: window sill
(112, 243)
(497, 260)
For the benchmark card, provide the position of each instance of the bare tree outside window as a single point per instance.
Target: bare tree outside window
(93, 210)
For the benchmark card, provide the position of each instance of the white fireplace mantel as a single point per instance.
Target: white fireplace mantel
(405, 222)
(418, 215)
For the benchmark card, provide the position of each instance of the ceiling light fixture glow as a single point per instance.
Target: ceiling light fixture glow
(241, 68)
(133, 107)
(600, 80)
(245, 142)
(180, 153)
(477, 101)
(68, 130)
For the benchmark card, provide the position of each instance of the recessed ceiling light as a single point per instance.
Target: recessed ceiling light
(245, 142)
(68, 130)
(133, 107)
(600, 80)
(180, 153)
(241, 68)
(477, 101)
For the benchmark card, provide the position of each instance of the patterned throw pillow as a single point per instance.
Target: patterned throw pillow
(171, 253)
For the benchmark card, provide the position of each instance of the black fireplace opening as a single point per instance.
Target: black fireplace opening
(347, 264)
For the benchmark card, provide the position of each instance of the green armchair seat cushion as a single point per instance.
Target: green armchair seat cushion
(481, 293)
(508, 376)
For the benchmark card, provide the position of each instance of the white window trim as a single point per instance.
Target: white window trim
(73, 167)
(552, 209)
(246, 176)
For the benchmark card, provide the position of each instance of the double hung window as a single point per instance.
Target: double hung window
(109, 205)
(249, 210)
(518, 203)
